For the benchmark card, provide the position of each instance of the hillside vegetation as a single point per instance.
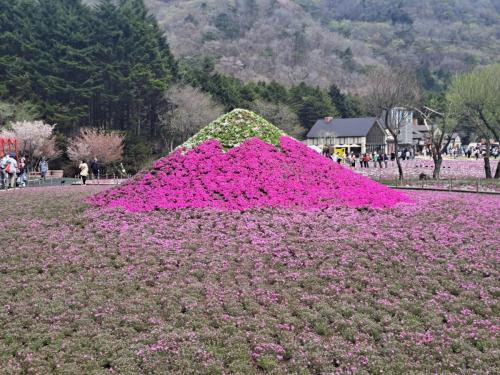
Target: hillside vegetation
(332, 41)
(109, 66)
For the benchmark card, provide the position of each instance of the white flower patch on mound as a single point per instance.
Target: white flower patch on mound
(233, 128)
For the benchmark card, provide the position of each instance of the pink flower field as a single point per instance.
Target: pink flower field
(411, 289)
(451, 168)
(254, 174)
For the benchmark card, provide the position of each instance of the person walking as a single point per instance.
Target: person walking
(11, 169)
(84, 171)
(348, 160)
(380, 159)
(3, 173)
(366, 158)
(94, 167)
(374, 158)
(21, 173)
(43, 168)
(385, 158)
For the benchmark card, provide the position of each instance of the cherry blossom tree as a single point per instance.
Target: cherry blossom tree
(90, 143)
(35, 139)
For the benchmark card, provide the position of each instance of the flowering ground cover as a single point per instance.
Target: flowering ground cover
(407, 290)
(254, 174)
(451, 168)
(233, 128)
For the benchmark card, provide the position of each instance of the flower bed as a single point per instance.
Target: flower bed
(406, 290)
(255, 174)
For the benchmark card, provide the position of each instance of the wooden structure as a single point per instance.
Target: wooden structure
(8, 146)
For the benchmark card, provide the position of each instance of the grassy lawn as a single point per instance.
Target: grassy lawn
(412, 289)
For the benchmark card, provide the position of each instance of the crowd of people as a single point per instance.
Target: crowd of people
(382, 159)
(480, 152)
(378, 158)
(12, 172)
(471, 151)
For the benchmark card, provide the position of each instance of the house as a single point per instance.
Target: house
(346, 135)
(421, 136)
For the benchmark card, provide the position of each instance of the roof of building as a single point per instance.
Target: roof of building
(342, 127)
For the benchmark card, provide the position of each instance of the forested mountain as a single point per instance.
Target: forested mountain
(332, 41)
(107, 63)
(109, 66)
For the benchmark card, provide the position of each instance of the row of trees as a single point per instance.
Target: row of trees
(36, 140)
(308, 103)
(106, 66)
(472, 100)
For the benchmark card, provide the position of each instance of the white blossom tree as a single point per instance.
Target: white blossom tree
(35, 139)
(107, 147)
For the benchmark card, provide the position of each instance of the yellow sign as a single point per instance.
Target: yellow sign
(340, 151)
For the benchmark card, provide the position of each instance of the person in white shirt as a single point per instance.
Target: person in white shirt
(3, 174)
(84, 171)
(11, 169)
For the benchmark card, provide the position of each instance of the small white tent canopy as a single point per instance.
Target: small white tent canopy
(316, 148)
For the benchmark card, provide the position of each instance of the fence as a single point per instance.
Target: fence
(107, 179)
(53, 179)
(470, 185)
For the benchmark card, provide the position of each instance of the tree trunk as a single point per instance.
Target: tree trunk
(487, 166)
(398, 160)
(497, 172)
(438, 160)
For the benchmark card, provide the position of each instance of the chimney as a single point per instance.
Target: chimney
(328, 119)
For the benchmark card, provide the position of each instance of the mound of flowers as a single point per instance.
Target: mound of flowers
(255, 174)
(233, 128)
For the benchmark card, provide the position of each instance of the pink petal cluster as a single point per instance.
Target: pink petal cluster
(255, 174)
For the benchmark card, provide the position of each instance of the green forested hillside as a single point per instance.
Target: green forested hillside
(325, 41)
(108, 65)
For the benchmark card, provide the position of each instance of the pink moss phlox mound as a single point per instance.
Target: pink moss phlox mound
(253, 175)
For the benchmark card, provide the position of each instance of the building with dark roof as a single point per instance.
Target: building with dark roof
(346, 135)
